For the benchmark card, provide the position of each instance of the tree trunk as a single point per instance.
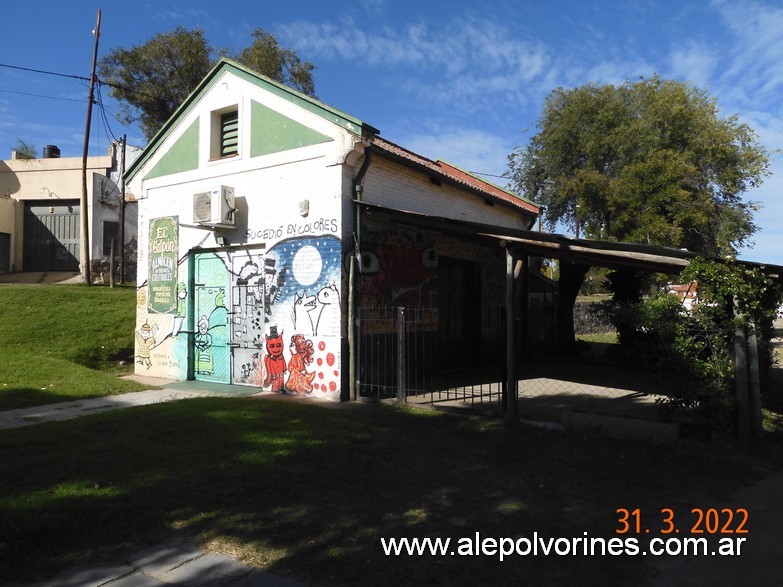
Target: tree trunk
(626, 285)
(572, 275)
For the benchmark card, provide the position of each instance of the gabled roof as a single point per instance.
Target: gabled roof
(435, 169)
(451, 174)
(310, 104)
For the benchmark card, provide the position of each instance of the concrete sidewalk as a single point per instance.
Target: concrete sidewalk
(171, 563)
(73, 409)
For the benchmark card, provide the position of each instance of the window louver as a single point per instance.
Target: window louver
(229, 134)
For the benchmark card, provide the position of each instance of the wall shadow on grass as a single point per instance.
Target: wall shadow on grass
(309, 491)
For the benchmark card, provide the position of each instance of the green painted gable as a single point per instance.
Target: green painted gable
(271, 132)
(189, 156)
(182, 156)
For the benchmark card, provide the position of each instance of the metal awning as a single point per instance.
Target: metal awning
(609, 254)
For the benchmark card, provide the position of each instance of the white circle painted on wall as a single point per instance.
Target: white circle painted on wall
(307, 265)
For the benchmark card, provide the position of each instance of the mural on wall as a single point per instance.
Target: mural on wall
(162, 303)
(267, 318)
(303, 317)
(300, 381)
(182, 306)
(205, 364)
(145, 342)
(163, 251)
(399, 268)
(212, 357)
(161, 339)
(274, 361)
(247, 315)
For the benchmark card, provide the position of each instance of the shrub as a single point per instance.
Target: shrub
(697, 348)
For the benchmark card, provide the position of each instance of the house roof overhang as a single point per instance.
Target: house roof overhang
(612, 255)
(447, 173)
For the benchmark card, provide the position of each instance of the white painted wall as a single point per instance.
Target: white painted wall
(395, 186)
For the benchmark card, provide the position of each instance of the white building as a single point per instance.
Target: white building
(253, 199)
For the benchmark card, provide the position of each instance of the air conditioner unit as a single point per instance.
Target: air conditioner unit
(215, 207)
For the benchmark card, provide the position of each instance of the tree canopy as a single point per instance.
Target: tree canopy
(153, 79)
(651, 161)
(25, 150)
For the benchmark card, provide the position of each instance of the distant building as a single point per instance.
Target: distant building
(687, 293)
(40, 212)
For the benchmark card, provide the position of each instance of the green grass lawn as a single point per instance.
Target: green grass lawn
(603, 338)
(64, 342)
(309, 490)
(304, 489)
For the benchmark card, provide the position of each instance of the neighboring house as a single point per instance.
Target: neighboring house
(687, 293)
(267, 218)
(40, 212)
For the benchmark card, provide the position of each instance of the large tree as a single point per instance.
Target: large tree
(153, 79)
(651, 161)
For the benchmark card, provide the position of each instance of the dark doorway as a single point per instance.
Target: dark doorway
(51, 236)
(5, 252)
(459, 324)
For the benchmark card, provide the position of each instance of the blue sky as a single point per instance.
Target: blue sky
(460, 81)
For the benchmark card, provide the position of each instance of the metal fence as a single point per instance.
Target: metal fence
(406, 354)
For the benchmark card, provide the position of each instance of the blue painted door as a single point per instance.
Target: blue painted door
(211, 352)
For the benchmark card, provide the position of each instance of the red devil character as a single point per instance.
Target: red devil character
(274, 361)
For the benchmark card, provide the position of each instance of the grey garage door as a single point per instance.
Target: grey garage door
(51, 236)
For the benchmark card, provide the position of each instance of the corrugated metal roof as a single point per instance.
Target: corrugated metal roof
(611, 254)
(443, 170)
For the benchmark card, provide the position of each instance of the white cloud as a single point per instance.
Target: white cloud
(467, 58)
(473, 150)
(755, 71)
(695, 62)
(373, 6)
(769, 219)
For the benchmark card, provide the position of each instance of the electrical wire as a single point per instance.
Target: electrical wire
(106, 126)
(41, 96)
(44, 72)
(105, 109)
(487, 174)
(77, 77)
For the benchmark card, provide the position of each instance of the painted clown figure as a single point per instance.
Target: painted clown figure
(300, 381)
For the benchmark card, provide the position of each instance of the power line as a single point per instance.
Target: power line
(105, 109)
(106, 126)
(98, 100)
(487, 174)
(41, 96)
(79, 77)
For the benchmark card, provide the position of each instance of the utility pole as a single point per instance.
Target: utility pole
(85, 240)
(122, 211)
